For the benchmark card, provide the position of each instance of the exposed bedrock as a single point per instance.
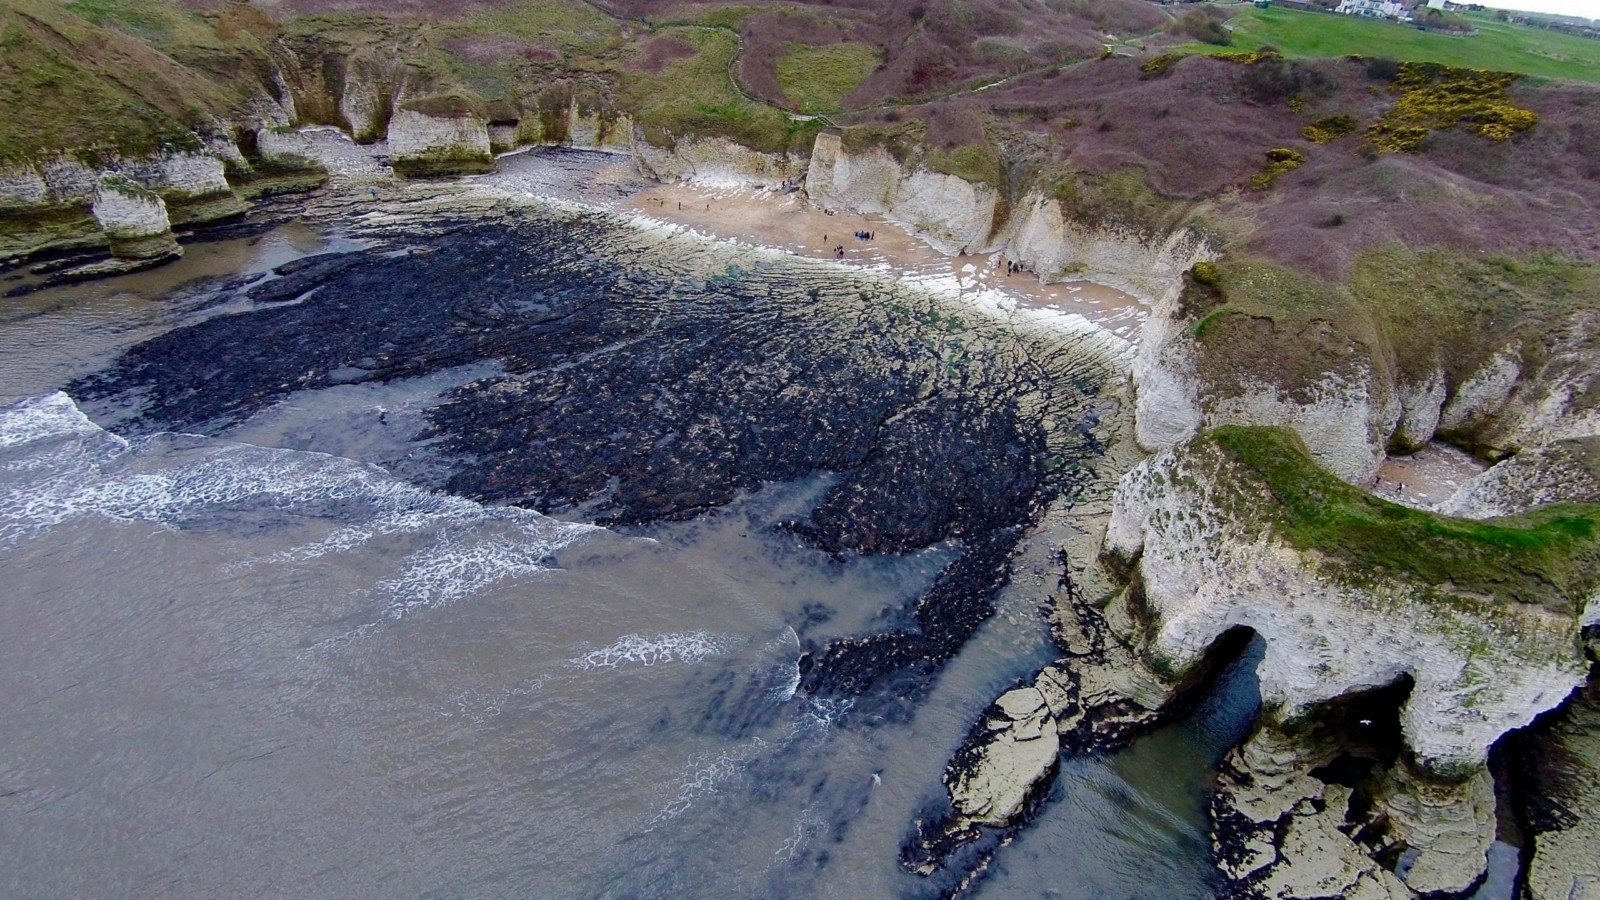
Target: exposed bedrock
(958, 216)
(718, 162)
(1358, 643)
(1351, 389)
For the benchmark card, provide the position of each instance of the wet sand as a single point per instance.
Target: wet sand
(1428, 477)
(787, 222)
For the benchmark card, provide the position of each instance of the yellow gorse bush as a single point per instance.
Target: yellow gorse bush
(1435, 97)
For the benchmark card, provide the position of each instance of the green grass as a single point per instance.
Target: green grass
(695, 96)
(1410, 311)
(817, 79)
(67, 83)
(576, 29)
(1546, 557)
(1497, 46)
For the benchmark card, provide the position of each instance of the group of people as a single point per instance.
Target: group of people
(865, 235)
(1013, 268)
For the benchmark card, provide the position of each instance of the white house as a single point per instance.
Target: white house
(1374, 9)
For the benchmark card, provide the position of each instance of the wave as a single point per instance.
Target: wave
(57, 466)
(651, 650)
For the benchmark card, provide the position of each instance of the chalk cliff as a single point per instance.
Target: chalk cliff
(1466, 662)
(134, 219)
(717, 161)
(448, 141)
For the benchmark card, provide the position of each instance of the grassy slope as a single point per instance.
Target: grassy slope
(816, 79)
(1546, 557)
(67, 82)
(1407, 309)
(1497, 46)
(694, 96)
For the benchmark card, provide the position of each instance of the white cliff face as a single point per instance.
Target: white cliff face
(591, 130)
(22, 186)
(1421, 406)
(180, 175)
(956, 216)
(68, 179)
(414, 134)
(1484, 392)
(1040, 238)
(1166, 379)
(1558, 473)
(1336, 420)
(503, 137)
(1480, 668)
(952, 215)
(364, 100)
(134, 219)
(1345, 418)
(716, 162)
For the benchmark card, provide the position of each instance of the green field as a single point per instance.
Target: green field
(816, 79)
(1496, 46)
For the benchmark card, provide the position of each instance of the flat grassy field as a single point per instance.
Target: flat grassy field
(818, 78)
(1496, 46)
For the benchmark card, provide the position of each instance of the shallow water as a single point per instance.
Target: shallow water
(276, 657)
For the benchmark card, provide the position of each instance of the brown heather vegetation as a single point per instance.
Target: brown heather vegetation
(1492, 163)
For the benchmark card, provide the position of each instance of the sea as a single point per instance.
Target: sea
(322, 597)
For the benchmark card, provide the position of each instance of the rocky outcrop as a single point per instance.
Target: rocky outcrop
(717, 161)
(1209, 557)
(1281, 833)
(1015, 751)
(1056, 248)
(949, 213)
(957, 216)
(451, 142)
(134, 220)
(1563, 769)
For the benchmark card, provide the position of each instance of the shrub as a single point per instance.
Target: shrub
(1434, 96)
(1329, 128)
(1203, 27)
(1279, 161)
(1157, 66)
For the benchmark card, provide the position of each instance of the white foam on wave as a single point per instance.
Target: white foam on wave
(651, 650)
(478, 707)
(61, 466)
(43, 418)
(807, 827)
(789, 672)
(706, 774)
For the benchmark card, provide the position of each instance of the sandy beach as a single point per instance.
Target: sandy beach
(787, 222)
